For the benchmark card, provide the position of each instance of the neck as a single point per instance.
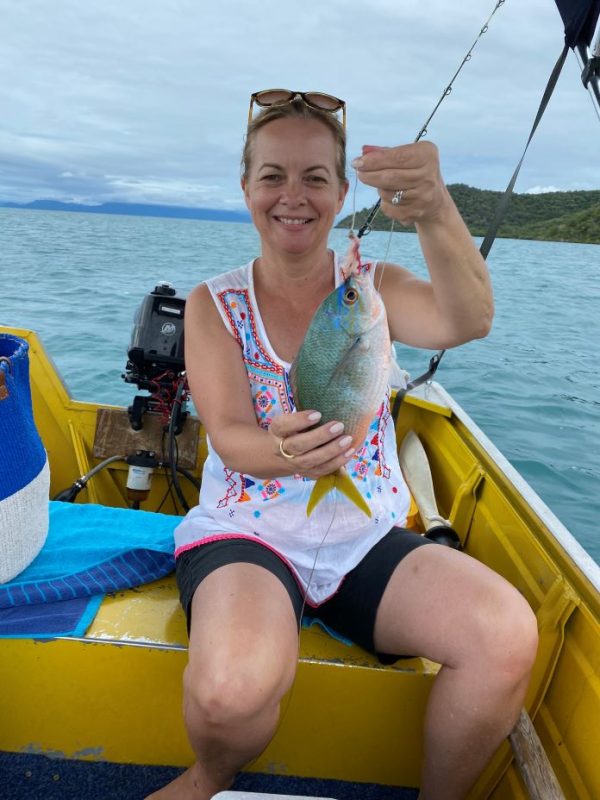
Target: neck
(299, 271)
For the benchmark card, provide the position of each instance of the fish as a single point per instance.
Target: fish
(342, 367)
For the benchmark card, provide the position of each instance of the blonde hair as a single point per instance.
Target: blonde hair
(299, 110)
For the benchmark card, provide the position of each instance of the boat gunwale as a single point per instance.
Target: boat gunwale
(434, 392)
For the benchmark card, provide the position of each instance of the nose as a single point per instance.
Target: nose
(293, 193)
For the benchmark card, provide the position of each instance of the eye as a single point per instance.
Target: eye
(316, 179)
(350, 296)
(272, 177)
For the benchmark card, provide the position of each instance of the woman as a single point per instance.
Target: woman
(249, 561)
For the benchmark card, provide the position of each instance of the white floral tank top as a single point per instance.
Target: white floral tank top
(320, 549)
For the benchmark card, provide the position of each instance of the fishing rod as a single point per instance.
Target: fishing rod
(366, 226)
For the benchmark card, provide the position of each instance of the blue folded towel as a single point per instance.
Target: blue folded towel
(309, 622)
(90, 550)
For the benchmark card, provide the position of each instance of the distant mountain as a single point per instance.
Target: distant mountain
(556, 216)
(582, 226)
(137, 210)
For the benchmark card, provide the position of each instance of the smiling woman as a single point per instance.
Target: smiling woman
(292, 187)
(250, 560)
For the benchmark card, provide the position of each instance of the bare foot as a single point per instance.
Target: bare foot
(190, 785)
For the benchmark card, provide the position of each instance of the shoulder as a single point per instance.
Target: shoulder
(237, 278)
(209, 292)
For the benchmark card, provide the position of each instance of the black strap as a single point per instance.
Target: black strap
(492, 231)
(487, 243)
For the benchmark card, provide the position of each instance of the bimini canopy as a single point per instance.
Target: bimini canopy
(579, 18)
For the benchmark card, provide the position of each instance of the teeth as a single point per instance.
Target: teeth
(290, 221)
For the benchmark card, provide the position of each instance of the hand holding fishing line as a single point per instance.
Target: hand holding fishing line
(408, 180)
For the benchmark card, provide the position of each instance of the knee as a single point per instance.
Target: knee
(510, 639)
(222, 696)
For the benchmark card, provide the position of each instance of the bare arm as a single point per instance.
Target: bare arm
(221, 393)
(456, 305)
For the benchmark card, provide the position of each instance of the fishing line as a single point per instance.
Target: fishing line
(364, 230)
(290, 695)
(304, 601)
(366, 226)
(353, 220)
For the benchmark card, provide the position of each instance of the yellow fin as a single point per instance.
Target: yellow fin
(338, 480)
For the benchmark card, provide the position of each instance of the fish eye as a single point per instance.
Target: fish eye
(350, 296)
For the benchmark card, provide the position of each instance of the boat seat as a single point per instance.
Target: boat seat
(115, 694)
(152, 615)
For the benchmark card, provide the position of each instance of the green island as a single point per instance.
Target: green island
(551, 216)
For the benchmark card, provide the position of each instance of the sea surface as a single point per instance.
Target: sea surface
(533, 385)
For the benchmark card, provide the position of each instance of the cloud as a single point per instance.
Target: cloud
(542, 189)
(147, 101)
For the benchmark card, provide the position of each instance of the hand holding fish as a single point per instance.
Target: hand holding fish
(409, 173)
(316, 450)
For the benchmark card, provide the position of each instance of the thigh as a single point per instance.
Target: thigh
(243, 633)
(194, 565)
(442, 604)
(353, 609)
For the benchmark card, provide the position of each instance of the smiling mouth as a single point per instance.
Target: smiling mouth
(295, 222)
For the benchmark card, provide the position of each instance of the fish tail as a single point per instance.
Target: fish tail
(342, 482)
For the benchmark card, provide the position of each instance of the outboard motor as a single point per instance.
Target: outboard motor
(156, 353)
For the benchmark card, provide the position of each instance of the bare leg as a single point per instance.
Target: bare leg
(448, 607)
(242, 659)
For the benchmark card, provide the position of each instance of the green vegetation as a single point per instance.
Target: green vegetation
(552, 216)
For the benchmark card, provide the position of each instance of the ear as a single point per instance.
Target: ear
(244, 186)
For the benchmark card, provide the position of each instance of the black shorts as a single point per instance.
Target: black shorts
(350, 612)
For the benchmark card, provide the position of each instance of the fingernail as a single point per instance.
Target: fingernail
(345, 441)
(349, 453)
(357, 163)
(314, 416)
(337, 427)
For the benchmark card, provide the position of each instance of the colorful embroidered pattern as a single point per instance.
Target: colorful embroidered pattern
(272, 395)
(268, 380)
(271, 489)
(231, 488)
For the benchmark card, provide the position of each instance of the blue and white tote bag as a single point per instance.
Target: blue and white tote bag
(24, 472)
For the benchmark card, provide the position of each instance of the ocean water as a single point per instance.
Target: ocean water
(533, 385)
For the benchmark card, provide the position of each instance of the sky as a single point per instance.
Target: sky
(146, 101)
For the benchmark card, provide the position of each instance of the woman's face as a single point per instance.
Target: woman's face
(292, 189)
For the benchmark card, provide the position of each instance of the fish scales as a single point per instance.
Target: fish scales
(342, 367)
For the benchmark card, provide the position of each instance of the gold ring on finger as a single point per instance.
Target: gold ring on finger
(283, 451)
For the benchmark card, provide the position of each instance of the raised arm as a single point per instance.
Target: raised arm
(221, 393)
(456, 305)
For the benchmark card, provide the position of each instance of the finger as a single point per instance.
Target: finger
(407, 156)
(289, 424)
(406, 197)
(328, 466)
(369, 148)
(406, 209)
(313, 441)
(394, 178)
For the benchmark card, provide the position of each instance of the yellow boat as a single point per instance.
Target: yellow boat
(114, 694)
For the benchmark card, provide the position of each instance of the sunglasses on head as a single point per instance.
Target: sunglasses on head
(278, 97)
